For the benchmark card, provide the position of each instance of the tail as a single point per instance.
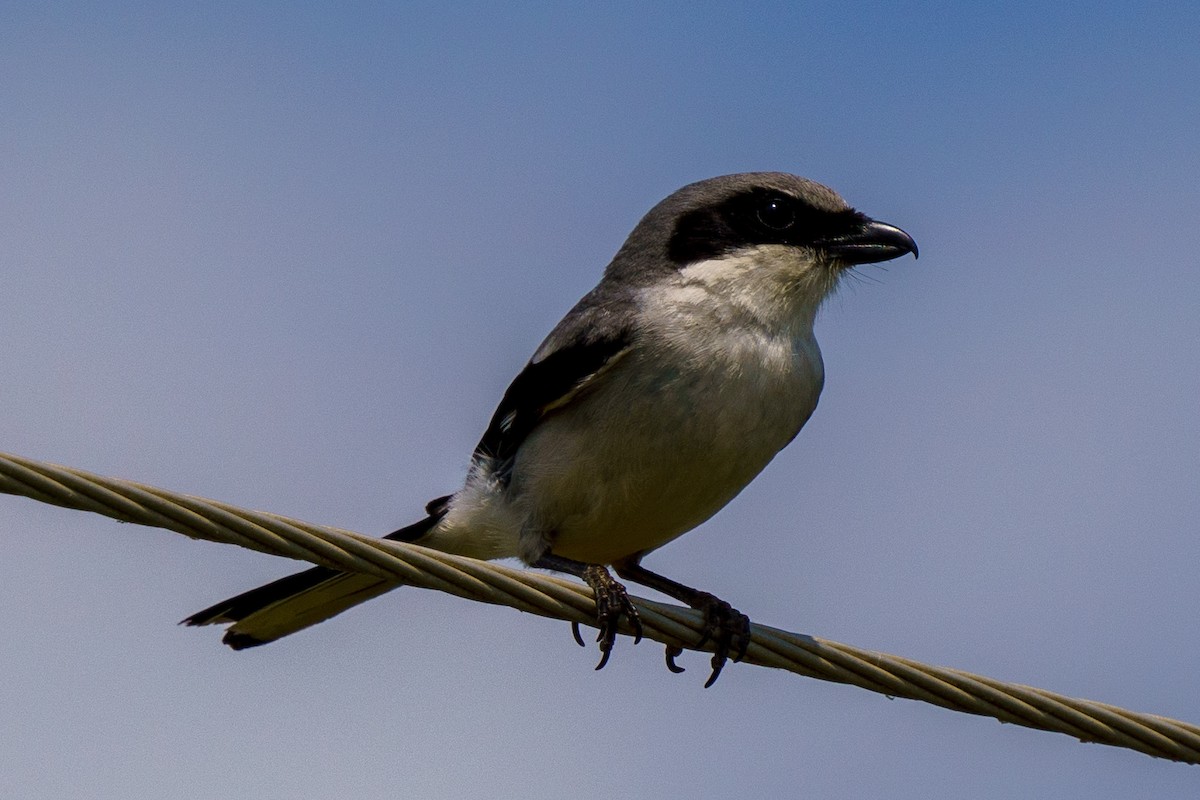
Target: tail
(298, 601)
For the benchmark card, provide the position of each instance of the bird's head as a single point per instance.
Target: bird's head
(771, 230)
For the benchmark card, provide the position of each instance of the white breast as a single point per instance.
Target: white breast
(718, 382)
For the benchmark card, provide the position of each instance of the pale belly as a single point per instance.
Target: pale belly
(610, 482)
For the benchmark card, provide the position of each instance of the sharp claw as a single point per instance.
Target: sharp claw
(727, 629)
(611, 603)
(719, 659)
(605, 652)
(673, 651)
(636, 621)
(578, 636)
(718, 664)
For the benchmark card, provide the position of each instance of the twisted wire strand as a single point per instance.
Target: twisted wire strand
(555, 597)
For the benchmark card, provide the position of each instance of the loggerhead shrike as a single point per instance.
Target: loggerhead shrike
(658, 397)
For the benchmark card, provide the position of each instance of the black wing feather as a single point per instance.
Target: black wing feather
(544, 385)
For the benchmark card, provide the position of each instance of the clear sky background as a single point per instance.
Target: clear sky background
(290, 255)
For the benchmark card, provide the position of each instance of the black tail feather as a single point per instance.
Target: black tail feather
(435, 509)
(235, 609)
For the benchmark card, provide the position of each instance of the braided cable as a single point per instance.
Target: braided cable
(555, 597)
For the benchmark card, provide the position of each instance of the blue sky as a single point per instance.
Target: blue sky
(290, 256)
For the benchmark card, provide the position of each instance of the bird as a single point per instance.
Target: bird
(665, 391)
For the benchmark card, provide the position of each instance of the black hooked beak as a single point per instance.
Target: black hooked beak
(868, 242)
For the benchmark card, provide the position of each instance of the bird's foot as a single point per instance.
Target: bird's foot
(726, 627)
(612, 602)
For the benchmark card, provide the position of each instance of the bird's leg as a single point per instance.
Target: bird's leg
(726, 627)
(611, 601)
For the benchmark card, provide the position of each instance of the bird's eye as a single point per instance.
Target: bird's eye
(777, 214)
